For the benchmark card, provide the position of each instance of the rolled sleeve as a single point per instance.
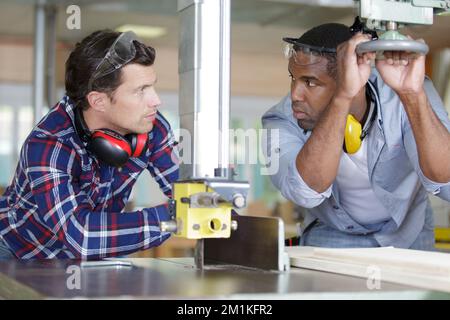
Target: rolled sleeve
(441, 190)
(298, 191)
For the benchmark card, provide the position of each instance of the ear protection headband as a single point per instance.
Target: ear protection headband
(354, 133)
(109, 146)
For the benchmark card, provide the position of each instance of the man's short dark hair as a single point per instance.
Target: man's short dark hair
(85, 58)
(328, 35)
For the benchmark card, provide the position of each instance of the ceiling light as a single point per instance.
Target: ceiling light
(320, 3)
(149, 32)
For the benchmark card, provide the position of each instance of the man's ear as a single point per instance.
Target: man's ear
(98, 100)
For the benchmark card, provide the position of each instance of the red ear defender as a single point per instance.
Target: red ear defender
(138, 143)
(110, 147)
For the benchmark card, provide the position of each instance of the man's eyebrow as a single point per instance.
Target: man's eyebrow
(306, 77)
(147, 85)
(310, 78)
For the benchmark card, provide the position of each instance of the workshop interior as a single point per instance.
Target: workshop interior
(229, 221)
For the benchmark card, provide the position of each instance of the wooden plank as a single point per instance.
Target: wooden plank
(429, 270)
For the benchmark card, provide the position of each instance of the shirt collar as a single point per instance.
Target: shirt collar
(374, 91)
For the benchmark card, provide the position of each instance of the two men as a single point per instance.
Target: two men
(78, 165)
(365, 193)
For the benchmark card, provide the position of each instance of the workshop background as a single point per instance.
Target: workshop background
(259, 78)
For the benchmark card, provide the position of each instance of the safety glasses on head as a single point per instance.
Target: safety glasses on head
(120, 53)
(310, 54)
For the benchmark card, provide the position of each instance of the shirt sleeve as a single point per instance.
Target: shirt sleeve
(65, 209)
(164, 160)
(281, 148)
(441, 190)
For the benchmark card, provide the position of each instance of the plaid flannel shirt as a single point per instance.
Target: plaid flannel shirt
(64, 203)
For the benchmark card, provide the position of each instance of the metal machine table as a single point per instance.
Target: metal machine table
(177, 278)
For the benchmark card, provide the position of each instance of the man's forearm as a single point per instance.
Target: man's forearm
(318, 160)
(431, 136)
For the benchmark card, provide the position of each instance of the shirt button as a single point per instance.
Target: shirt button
(350, 228)
(335, 207)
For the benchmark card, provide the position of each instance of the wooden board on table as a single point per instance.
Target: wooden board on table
(423, 269)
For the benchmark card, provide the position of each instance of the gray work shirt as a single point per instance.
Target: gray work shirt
(393, 167)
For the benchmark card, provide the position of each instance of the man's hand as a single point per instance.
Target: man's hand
(353, 71)
(403, 71)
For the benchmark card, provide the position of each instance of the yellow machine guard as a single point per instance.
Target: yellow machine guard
(200, 223)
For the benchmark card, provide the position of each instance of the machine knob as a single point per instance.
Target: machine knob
(238, 201)
(168, 226)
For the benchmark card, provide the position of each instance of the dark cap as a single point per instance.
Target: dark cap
(324, 38)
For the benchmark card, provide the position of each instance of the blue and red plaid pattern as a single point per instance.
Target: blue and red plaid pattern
(64, 203)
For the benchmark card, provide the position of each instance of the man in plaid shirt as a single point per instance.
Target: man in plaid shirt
(66, 202)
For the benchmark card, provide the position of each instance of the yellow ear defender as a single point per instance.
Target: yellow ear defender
(354, 133)
(352, 136)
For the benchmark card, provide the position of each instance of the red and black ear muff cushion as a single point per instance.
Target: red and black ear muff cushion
(110, 147)
(112, 137)
(141, 144)
(138, 143)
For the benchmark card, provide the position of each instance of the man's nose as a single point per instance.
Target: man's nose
(154, 100)
(297, 92)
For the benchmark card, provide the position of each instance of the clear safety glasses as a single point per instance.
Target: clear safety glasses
(120, 53)
(304, 54)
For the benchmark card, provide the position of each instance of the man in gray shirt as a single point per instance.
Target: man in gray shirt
(359, 147)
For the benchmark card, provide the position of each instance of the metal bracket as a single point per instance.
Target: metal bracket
(231, 191)
(435, 4)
